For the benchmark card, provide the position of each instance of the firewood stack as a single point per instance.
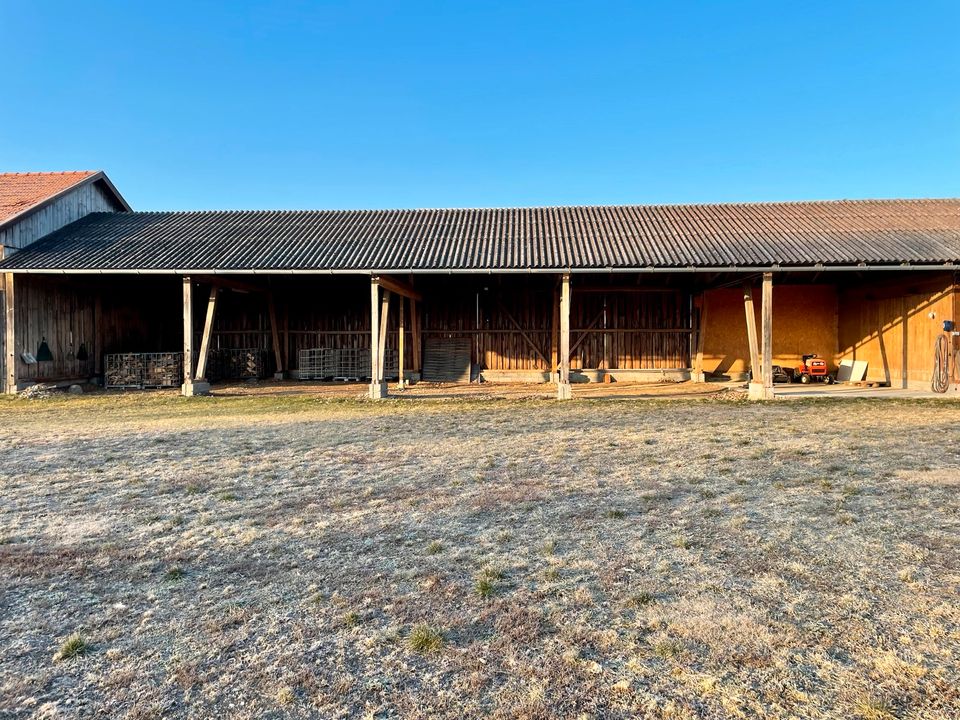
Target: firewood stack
(143, 370)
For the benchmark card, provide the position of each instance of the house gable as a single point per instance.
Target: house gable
(35, 204)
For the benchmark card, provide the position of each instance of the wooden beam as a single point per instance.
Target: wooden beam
(187, 330)
(415, 336)
(231, 284)
(399, 287)
(766, 330)
(382, 342)
(275, 332)
(10, 336)
(401, 330)
(520, 330)
(563, 387)
(207, 334)
(623, 289)
(701, 329)
(751, 318)
(374, 333)
(555, 335)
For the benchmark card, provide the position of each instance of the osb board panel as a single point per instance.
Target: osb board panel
(875, 319)
(804, 321)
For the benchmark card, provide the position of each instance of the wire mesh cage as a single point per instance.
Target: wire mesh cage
(343, 364)
(237, 364)
(143, 370)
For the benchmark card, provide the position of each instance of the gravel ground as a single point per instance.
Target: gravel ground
(272, 557)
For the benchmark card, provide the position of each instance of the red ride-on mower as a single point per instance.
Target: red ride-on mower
(813, 370)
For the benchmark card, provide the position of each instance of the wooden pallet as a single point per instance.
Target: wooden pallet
(447, 360)
(862, 383)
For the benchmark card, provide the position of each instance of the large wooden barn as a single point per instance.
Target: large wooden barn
(93, 290)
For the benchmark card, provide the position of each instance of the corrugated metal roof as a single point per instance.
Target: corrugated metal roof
(872, 232)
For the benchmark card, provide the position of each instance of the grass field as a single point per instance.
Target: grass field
(274, 557)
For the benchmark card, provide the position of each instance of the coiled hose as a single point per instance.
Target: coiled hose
(943, 373)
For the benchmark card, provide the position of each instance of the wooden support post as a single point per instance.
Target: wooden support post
(751, 318)
(190, 385)
(384, 323)
(563, 386)
(378, 389)
(207, 334)
(275, 337)
(555, 338)
(698, 374)
(187, 330)
(401, 330)
(766, 332)
(415, 336)
(10, 336)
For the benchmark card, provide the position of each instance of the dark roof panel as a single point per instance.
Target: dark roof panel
(741, 235)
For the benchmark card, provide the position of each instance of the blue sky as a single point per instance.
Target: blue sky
(200, 105)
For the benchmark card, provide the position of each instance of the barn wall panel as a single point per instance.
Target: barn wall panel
(804, 321)
(876, 319)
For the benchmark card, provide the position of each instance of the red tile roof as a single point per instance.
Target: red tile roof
(21, 191)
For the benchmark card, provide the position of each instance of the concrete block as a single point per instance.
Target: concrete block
(756, 391)
(377, 391)
(564, 391)
(197, 387)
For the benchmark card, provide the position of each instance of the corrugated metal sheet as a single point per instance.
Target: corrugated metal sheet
(872, 232)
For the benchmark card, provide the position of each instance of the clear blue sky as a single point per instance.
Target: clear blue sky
(193, 105)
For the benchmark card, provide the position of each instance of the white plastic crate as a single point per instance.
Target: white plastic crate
(342, 364)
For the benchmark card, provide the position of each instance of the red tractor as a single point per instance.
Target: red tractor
(812, 370)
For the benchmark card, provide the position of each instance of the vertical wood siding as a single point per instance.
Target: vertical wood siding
(74, 205)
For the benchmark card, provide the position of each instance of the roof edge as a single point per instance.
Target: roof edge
(586, 206)
(655, 269)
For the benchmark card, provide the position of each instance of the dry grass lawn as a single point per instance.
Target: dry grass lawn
(294, 557)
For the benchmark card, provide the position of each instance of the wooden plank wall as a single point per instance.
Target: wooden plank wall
(508, 322)
(328, 312)
(642, 330)
(137, 315)
(875, 319)
(60, 312)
